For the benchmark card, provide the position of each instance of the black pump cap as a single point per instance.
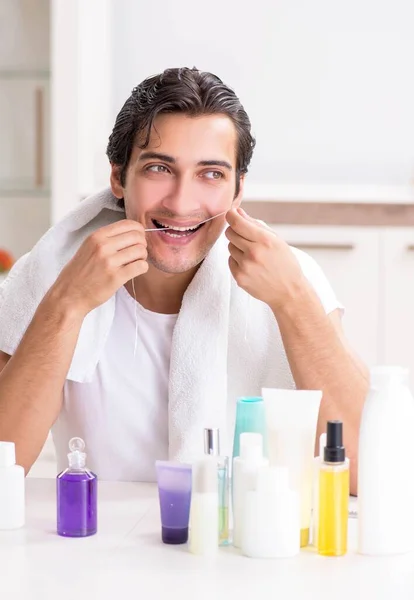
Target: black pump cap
(334, 451)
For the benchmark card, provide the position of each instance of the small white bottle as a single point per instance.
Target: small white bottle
(271, 527)
(318, 461)
(385, 474)
(245, 469)
(204, 513)
(12, 484)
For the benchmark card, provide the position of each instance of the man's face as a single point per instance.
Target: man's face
(185, 175)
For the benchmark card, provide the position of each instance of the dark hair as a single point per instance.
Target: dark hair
(183, 90)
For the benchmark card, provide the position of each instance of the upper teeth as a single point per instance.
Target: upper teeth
(178, 228)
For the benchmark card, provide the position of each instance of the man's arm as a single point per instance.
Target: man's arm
(319, 357)
(32, 380)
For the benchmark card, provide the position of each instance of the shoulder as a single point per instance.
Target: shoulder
(318, 279)
(310, 267)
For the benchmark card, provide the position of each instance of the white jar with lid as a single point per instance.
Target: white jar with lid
(12, 484)
(271, 519)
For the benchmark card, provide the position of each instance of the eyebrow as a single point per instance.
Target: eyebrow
(157, 156)
(215, 163)
(171, 160)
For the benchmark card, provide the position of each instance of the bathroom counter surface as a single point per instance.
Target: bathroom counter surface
(126, 559)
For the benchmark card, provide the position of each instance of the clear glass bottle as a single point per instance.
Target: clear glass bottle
(212, 447)
(333, 495)
(77, 495)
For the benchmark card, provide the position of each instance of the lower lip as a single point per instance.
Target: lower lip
(180, 240)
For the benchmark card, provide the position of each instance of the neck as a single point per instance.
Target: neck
(161, 292)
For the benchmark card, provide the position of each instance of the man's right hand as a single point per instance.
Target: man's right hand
(107, 259)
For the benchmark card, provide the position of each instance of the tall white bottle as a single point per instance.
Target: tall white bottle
(385, 473)
(12, 500)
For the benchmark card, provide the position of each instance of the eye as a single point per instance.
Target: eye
(157, 169)
(214, 175)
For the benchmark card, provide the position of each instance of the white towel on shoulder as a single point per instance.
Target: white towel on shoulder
(225, 343)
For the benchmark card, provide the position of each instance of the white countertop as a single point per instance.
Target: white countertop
(126, 559)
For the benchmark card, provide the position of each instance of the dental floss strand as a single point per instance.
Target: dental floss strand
(202, 223)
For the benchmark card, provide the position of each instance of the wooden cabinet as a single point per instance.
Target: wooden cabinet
(372, 273)
(350, 259)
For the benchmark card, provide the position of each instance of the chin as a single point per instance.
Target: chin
(176, 265)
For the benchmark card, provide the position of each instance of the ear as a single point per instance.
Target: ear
(116, 186)
(237, 201)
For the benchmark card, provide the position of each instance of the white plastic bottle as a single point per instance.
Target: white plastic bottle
(12, 497)
(271, 527)
(385, 473)
(245, 469)
(204, 513)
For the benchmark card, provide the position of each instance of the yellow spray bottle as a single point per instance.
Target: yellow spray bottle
(333, 494)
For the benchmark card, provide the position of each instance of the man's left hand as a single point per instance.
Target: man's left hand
(262, 263)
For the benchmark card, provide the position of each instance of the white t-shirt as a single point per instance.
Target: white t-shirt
(122, 414)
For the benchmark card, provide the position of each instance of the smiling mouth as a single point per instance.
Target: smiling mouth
(175, 231)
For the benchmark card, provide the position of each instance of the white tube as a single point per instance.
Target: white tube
(291, 418)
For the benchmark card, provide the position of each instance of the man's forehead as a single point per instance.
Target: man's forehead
(206, 137)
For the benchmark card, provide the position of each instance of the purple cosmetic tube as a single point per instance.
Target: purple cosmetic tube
(174, 490)
(77, 495)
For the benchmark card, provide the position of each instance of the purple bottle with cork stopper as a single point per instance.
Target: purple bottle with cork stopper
(77, 495)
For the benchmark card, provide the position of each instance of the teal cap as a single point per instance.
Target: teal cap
(250, 417)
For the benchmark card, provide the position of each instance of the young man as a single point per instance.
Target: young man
(136, 339)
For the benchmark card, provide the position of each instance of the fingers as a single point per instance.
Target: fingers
(244, 226)
(234, 267)
(129, 255)
(134, 269)
(237, 240)
(126, 239)
(236, 254)
(123, 226)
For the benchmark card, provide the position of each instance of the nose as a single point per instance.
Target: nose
(182, 199)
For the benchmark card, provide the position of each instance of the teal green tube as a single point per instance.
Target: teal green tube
(250, 417)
